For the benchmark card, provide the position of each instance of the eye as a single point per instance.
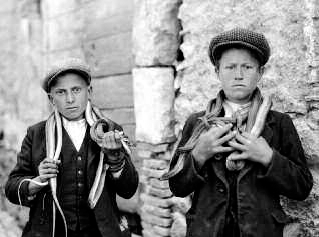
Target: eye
(229, 67)
(248, 67)
(59, 92)
(76, 90)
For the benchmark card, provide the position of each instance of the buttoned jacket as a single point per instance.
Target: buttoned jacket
(258, 188)
(33, 151)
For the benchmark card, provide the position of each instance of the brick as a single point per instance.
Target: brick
(153, 173)
(162, 193)
(155, 220)
(149, 233)
(144, 154)
(155, 164)
(162, 212)
(159, 148)
(163, 184)
(162, 230)
(158, 202)
(113, 92)
(165, 156)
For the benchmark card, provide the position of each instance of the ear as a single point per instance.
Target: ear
(90, 92)
(51, 99)
(261, 72)
(217, 72)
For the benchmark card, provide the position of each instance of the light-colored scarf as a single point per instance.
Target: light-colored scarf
(253, 116)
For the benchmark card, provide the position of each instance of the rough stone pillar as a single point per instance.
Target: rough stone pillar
(155, 45)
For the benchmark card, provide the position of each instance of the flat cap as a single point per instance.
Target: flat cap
(74, 65)
(239, 37)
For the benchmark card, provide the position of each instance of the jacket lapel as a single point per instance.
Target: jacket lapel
(219, 170)
(93, 160)
(267, 134)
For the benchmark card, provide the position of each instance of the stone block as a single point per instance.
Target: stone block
(7, 7)
(64, 32)
(76, 52)
(129, 130)
(153, 172)
(162, 231)
(161, 212)
(108, 25)
(155, 164)
(162, 184)
(153, 103)
(158, 202)
(56, 8)
(181, 205)
(113, 92)
(145, 154)
(155, 220)
(121, 115)
(158, 148)
(149, 233)
(155, 32)
(161, 193)
(178, 228)
(110, 55)
(165, 156)
(97, 9)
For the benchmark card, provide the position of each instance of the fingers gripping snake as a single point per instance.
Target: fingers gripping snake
(261, 105)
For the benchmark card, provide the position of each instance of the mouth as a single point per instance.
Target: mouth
(71, 108)
(239, 85)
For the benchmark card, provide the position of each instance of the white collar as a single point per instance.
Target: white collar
(76, 130)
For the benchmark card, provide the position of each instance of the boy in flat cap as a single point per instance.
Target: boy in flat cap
(72, 165)
(239, 156)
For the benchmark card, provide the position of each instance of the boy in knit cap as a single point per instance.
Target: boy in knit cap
(72, 165)
(239, 156)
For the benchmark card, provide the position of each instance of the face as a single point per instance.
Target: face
(70, 95)
(239, 73)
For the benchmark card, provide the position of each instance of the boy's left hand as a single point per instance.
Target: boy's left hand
(111, 140)
(252, 148)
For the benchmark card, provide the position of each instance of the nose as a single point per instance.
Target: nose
(69, 97)
(239, 73)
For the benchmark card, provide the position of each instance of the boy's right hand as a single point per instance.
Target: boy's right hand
(48, 168)
(213, 142)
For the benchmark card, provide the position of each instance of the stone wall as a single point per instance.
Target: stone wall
(21, 50)
(155, 46)
(184, 29)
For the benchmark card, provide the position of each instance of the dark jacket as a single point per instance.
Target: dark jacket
(258, 189)
(33, 151)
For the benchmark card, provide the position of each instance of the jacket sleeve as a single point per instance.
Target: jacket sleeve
(189, 178)
(17, 184)
(288, 173)
(126, 184)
